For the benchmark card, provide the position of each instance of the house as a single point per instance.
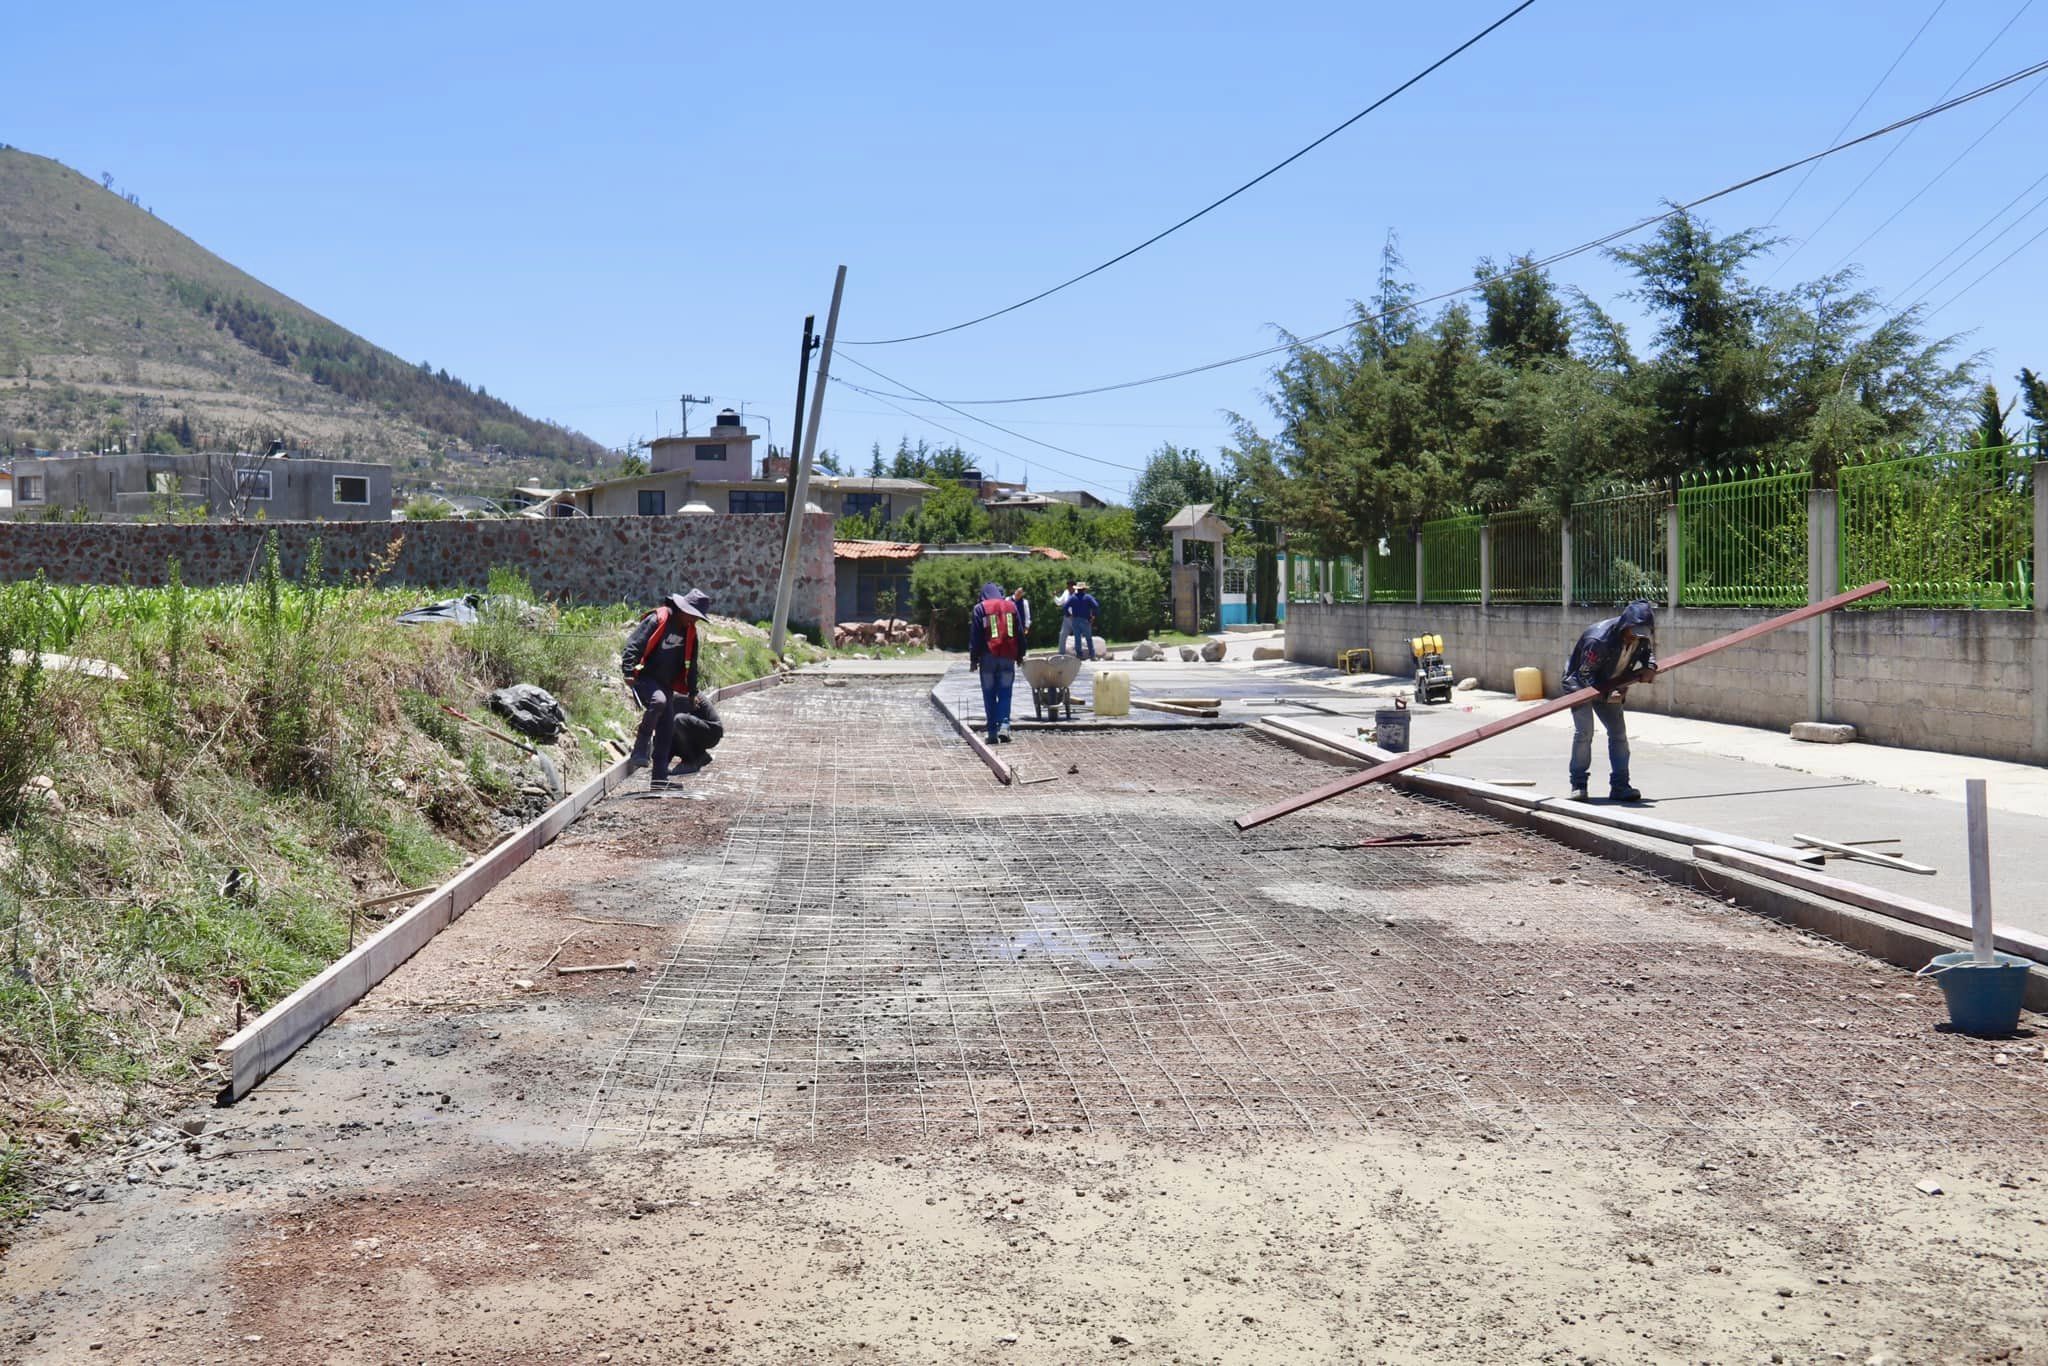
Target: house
(1080, 498)
(139, 486)
(6, 488)
(712, 474)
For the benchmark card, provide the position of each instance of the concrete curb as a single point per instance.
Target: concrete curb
(262, 1046)
(1899, 930)
(1003, 772)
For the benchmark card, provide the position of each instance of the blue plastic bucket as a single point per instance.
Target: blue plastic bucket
(1983, 998)
(1390, 728)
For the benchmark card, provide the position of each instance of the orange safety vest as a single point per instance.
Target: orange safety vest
(662, 618)
(999, 619)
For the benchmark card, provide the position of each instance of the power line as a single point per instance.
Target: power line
(1942, 260)
(952, 431)
(1857, 112)
(1893, 150)
(1932, 111)
(1937, 178)
(1214, 204)
(914, 393)
(2043, 232)
(1988, 244)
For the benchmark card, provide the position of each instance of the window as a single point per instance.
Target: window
(653, 502)
(253, 485)
(711, 452)
(870, 584)
(858, 503)
(755, 501)
(353, 489)
(31, 488)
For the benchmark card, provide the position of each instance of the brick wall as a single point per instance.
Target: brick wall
(576, 559)
(1960, 682)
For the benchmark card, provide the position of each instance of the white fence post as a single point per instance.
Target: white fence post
(1565, 559)
(1672, 569)
(1416, 532)
(1486, 564)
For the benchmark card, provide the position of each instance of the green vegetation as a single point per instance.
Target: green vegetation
(124, 329)
(945, 589)
(191, 841)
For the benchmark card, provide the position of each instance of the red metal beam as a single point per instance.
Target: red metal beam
(1550, 708)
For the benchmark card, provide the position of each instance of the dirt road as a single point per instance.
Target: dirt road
(915, 1068)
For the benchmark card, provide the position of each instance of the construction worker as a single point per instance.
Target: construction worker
(697, 731)
(660, 664)
(1023, 602)
(1612, 655)
(994, 645)
(1078, 609)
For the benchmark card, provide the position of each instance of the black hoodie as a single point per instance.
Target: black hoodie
(1592, 660)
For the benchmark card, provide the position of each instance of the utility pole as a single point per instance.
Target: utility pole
(803, 373)
(793, 541)
(686, 400)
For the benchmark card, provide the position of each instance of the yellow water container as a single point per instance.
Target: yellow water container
(1528, 685)
(1112, 692)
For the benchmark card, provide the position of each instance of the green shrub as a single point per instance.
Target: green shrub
(26, 737)
(944, 589)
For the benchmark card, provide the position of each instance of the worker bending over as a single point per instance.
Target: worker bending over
(660, 664)
(1611, 655)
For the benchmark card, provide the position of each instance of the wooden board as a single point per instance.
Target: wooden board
(974, 741)
(1543, 709)
(263, 1045)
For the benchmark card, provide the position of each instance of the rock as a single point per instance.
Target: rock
(1927, 1187)
(1101, 647)
(194, 1126)
(531, 711)
(1119, 1340)
(1007, 1339)
(1145, 650)
(1466, 685)
(1269, 652)
(1214, 651)
(1823, 732)
(1188, 654)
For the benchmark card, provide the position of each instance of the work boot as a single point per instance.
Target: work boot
(636, 761)
(1624, 793)
(1003, 735)
(1579, 793)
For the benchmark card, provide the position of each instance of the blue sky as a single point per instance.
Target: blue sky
(591, 210)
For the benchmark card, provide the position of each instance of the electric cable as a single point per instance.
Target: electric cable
(1959, 266)
(1894, 149)
(1294, 343)
(2043, 232)
(1214, 204)
(984, 445)
(1857, 112)
(914, 393)
(1942, 260)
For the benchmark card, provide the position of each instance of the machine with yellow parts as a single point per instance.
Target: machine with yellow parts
(1432, 675)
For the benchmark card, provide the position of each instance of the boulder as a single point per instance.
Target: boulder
(1101, 647)
(1214, 651)
(1823, 732)
(1269, 652)
(531, 711)
(1188, 654)
(1467, 685)
(1146, 650)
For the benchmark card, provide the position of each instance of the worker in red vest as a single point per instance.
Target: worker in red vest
(995, 642)
(660, 664)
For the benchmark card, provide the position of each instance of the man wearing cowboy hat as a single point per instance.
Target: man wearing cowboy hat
(660, 664)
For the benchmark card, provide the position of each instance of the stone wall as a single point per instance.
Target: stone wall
(575, 559)
(1961, 682)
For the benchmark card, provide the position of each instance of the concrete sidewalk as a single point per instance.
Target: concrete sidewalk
(1749, 782)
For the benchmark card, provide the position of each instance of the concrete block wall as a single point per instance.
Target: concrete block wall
(1955, 681)
(737, 560)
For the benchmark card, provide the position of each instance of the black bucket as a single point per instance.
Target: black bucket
(1390, 728)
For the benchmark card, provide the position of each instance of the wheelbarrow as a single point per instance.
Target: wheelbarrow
(1052, 685)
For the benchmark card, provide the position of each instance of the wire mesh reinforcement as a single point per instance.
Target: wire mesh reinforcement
(886, 943)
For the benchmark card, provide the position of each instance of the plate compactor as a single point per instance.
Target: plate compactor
(1432, 675)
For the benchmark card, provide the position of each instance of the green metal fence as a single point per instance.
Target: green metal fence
(1949, 530)
(1450, 559)
(1393, 570)
(1526, 550)
(1742, 539)
(1618, 547)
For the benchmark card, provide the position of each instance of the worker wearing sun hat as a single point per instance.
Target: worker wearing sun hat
(660, 664)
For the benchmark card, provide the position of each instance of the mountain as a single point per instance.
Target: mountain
(114, 326)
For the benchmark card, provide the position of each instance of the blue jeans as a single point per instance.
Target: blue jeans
(1083, 633)
(1615, 718)
(998, 678)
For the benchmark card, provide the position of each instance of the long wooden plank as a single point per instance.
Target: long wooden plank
(1543, 709)
(263, 1045)
(1004, 774)
(1926, 915)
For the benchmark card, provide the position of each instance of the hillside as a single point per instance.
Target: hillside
(113, 323)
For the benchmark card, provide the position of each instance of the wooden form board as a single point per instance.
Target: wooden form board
(262, 1046)
(974, 741)
(1617, 818)
(1926, 915)
(1543, 709)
